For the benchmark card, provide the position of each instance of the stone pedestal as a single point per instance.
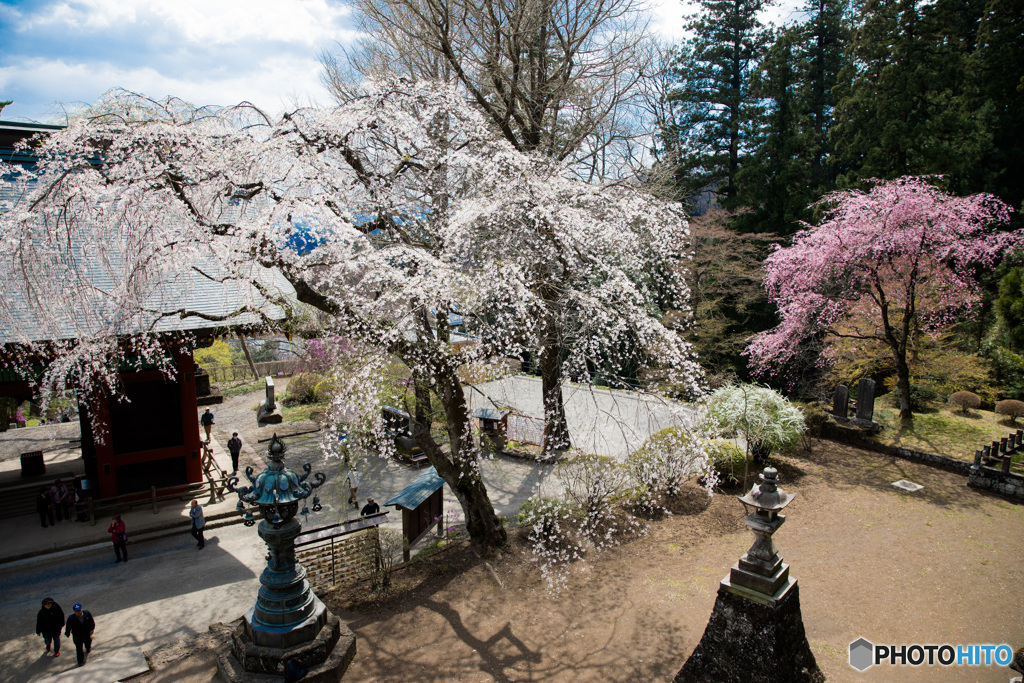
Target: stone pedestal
(269, 416)
(327, 656)
(751, 642)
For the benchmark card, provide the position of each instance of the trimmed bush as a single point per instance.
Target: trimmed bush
(921, 397)
(965, 400)
(727, 460)
(1011, 408)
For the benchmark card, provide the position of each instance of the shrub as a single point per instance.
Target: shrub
(592, 483)
(965, 400)
(1011, 408)
(664, 463)
(553, 537)
(302, 388)
(727, 460)
(390, 543)
(761, 415)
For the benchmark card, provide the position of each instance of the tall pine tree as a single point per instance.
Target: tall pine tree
(712, 97)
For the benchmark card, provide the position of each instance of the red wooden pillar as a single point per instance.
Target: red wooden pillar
(189, 415)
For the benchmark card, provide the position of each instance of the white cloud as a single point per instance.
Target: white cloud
(309, 22)
(273, 84)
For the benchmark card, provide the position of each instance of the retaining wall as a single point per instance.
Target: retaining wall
(339, 561)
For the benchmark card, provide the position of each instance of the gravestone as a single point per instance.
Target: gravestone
(866, 399)
(841, 401)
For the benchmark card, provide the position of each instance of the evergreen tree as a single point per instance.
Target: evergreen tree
(995, 93)
(713, 101)
(902, 109)
(790, 164)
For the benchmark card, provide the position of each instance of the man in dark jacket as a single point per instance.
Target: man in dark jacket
(80, 627)
(49, 623)
(234, 447)
(44, 506)
(371, 508)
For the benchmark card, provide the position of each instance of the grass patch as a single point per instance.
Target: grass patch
(313, 412)
(238, 388)
(946, 432)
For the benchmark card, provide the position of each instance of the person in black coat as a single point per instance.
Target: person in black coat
(371, 508)
(80, 627)
(49, 623)
(44, 506)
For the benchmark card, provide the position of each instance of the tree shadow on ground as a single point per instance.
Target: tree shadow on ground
(846, 466)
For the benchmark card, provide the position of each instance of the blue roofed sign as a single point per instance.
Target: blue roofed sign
(413, 495)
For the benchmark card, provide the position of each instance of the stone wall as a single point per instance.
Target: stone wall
(339, 561)
(991, 479)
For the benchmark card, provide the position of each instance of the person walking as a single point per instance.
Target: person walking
(44, 506)
(80, 627)
(235, 448)
(353, 485)
(370, 508)
(198, 522)
(49, 624)
(207, 422)
(119, 536)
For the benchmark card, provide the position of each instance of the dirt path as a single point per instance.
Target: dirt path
(938, 566)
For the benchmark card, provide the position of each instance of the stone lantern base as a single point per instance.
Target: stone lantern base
(326, 657)
(753, 642)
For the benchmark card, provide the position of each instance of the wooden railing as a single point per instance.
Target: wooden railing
(229, 373)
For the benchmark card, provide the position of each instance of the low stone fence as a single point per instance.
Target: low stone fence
(341, 560)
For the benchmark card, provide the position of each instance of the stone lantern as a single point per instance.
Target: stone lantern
(760, 574)
(756, 630)
(288, 621)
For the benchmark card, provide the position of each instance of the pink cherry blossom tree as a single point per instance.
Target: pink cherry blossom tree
(885, 264)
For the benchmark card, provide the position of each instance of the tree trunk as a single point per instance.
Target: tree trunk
(248, 358)
(556, 429)
(903, 386)
(460, 468)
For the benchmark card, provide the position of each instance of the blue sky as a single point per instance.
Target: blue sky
(56, 53)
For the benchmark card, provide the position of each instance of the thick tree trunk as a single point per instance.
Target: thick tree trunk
(460, 468)
(903, 386)
(556, 429)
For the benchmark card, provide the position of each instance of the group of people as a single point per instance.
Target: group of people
(59, 502)
(79, 627)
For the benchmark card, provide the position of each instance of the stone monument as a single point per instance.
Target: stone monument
(756, 631)
(841, 402)
(866, 399)
(288, 621)
(269, 412)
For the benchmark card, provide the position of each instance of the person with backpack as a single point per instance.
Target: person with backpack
(119, 536)
(80, 627)
(49, 623)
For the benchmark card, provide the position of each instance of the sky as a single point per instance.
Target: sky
(58, 54)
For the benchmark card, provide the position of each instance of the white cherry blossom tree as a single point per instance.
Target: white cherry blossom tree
(381, 216)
